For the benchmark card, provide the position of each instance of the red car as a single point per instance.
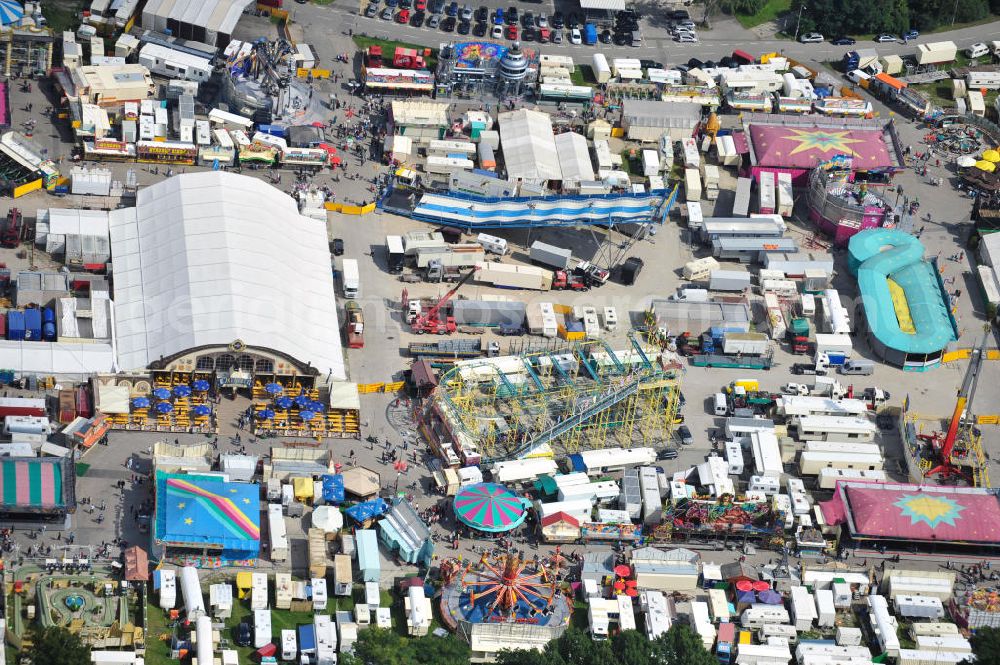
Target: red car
(420, 5)
(511, 32)
(403, 16)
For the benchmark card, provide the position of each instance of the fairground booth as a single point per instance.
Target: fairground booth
(206, 522)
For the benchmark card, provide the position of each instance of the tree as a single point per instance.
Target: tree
(433, 650)
(387, 647)
(985, 646)
(57, 646)
(631, 648)
(680, 646)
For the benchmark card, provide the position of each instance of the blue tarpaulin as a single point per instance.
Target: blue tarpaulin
(307, 638)
(363, 512)
(333, 488)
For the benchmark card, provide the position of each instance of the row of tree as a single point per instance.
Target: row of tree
(678, 646)
(863, 17)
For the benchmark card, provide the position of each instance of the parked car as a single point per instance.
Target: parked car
(512, 16)
(243, 634)
(684, 434)
(497, 32)
(386, 14)
(910, 35)
(844, 41)
(558, 21)
(686, 38)
(403, 16)
(575, 37)
(512, 32)
(557, 36)
(811, 38)
(479, 29)
(452, 9)
(417, 19)
(529, 34)
(434, 21)
(542, 21)
(667, 453)
(420, 5)
(483, 13)
(436, 6)
(466, 13)
(605, 36)
(372, 10)
(448, 24)
(498, 16)
(464, 27)
(883, 38)
(650, 64)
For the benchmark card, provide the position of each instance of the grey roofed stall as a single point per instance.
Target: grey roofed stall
(707, 313)
(529, 147)
(664, 115)
(214, 16)
(719, 227)
(754, 245)
(574, 157)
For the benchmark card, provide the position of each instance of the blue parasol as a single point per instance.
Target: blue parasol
(201, 385)
(201, 410)
(159, 393)
(266, 414)
(182, 391)
(141, 402)
(317, 407)
(164, 407)
(274, 389)
(10, 12)
(302, 401)
(307, 415)
(284, 402)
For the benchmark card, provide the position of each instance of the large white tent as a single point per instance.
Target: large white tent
(529, 147)
(206, 259)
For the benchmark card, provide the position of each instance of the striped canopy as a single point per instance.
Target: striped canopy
(10, 12)
(489, 507)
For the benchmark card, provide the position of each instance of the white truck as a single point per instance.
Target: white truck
(351, 278)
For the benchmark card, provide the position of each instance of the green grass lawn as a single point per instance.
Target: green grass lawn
(583, 75)
(771, 11)
(389, 47)
(60, 16)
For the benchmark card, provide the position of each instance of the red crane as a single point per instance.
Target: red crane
(962, 420)
(430, 321)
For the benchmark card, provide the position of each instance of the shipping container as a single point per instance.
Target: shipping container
(692, 184)
(550, 255)
(741, 205)
(22, 406)
(765, 193)
(33, 324)
(755, 344)
(729, 280)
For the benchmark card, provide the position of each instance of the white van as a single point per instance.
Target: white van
(721, 406)
(977, 50)
(857, 76)
(860, 366)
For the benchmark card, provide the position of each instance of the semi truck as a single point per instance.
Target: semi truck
(461, 256)
(354, 325)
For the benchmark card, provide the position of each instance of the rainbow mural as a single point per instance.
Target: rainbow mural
(206, 513)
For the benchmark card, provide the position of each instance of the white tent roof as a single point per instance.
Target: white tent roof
(57, 358)
(328, 518)
(529, 148)
(574, 157)
(211, 258)
(213, 15)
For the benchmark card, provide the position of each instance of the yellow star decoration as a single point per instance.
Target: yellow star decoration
(246, 500)
(232, 490)
(181, 505)
(822, 141)
(188, 521)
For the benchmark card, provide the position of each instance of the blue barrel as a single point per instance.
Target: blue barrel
(15, 325)
(48, 324)
(33, 324)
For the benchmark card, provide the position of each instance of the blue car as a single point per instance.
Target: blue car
(498, 16)
(911, 35)
(452, 9)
